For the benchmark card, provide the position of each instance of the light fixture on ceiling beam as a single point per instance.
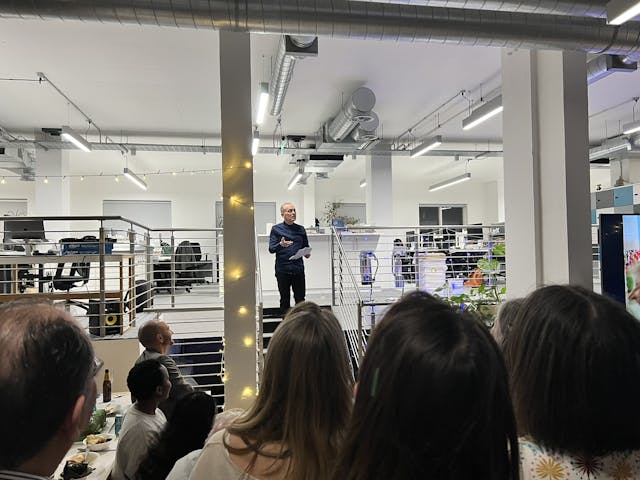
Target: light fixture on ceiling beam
(610, 146)
(134, 178)
(621, 11)
(363, 183)
(629, 128)
(74, 137)
(451, 181)
(255, 143)
(296, 176)
(482, 113)
(427, 145)
(263, 101)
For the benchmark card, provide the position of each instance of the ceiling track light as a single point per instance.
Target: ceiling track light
(621, 11)
(629, 128)
(255, 143)
(451, 181)
(427, 145)
(363, 183)
(134, 179)
(263, 101)
(74, 137)
(483, 112)
(608, 147)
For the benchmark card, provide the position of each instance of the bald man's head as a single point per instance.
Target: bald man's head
(156, 335)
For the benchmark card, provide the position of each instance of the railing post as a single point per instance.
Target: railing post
(102, 307)
(148, 259)
(360, 333)
(333, 271)
(173, 270)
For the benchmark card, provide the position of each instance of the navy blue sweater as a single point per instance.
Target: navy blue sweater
(295, 233)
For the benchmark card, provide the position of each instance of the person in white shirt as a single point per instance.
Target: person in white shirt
(149, 383)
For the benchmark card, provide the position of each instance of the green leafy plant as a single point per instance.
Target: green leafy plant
(330, 213)
(482, 300)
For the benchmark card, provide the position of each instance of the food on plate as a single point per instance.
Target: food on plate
(78, 458)
(75, 469)
(97, 439)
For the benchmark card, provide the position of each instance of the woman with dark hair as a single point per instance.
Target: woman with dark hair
(432, 401)
(295, 428)
(574, 360)
(186, 431)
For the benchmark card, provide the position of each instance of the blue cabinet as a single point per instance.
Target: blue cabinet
(623, 196)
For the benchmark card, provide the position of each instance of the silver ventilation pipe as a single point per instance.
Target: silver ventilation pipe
(366, 131)
(604, 65)
(357, 109)
(283, 70)
(347, 19)
(586, 8)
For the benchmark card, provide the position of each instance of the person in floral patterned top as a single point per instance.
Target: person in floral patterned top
(574, 361)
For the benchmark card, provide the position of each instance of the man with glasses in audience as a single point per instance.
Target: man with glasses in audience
(285, 240)
(47, 388)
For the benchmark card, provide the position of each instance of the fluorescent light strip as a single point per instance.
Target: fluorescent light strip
(482, 113)
(609, 147)
(632, 127)
(425, 146)
(621, 11)
(452, 181)
(263, 100)
(135, 179)
(295, 179)
(72, 136)
(255, 143)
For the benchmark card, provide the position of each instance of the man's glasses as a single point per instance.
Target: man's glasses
(96, 366)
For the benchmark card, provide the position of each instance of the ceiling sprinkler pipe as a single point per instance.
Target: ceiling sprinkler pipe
(357, 109)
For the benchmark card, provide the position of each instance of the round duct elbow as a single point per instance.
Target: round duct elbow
(366, 130)
(356, 110)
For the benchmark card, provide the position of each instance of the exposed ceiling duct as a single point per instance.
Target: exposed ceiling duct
(604, 65)
(356, 109)
(597, 8)
(366, 130)
(358, 20)
(290, 48)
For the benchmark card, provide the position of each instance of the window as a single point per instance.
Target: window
(442, 214)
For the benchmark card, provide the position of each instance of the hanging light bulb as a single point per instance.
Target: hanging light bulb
(82, 178)
(3, 181)
(117, 178)
(46, 180)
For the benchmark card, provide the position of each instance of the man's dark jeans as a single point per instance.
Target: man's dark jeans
(287, 282)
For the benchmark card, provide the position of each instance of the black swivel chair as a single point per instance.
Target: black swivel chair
(78, 276)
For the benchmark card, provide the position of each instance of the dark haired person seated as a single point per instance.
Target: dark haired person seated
(47, 388)
(432, 401)
(186, 431)
(574, 360)
(149, 383)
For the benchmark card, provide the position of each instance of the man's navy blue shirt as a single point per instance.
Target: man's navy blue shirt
(295, 233)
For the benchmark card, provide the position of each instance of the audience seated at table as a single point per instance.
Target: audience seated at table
(295, 427)
(432, 400)
(149, 383)
(156, 337)
(47, 388)
(185, 432)
(574, 361)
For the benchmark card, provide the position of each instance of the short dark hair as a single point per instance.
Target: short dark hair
(574, 359)
(186, 430)
(433, 400)
(144, 378)
(505, 317)
(45, 364)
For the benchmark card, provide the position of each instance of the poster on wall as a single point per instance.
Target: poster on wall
(631, 252)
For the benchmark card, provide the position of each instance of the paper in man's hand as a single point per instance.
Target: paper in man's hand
(300, 253)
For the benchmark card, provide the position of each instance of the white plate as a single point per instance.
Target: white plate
(100, 446)
(91, 457)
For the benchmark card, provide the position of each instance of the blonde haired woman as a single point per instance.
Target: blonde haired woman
(295, 428)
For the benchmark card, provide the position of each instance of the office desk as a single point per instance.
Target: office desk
(10, 265)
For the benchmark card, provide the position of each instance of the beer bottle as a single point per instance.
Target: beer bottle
(106, 387)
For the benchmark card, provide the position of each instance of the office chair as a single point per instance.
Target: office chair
(78, 276)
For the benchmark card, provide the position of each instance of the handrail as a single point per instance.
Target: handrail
(349, 271)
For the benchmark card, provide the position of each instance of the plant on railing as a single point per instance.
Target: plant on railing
(331, 213)
(481, 300)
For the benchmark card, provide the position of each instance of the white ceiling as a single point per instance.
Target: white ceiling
(142, 81)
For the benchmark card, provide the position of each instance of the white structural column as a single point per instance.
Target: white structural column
(379, 187)
(239, 235)
(307, 216)
(546, 169)
(53, 196)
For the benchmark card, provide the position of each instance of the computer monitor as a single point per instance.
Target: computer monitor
(27, 229)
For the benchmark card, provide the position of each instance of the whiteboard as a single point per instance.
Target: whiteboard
(151, 213)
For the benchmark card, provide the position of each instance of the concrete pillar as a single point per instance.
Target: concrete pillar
(308, 208)
(239, 236)
(546, 169)
(379, 187)
(52, 197)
